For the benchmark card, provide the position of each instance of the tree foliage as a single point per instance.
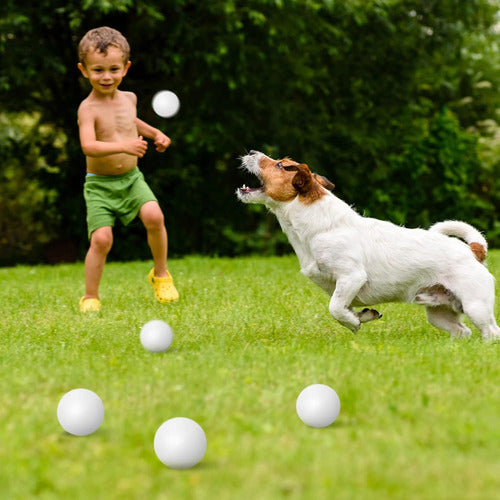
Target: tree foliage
(365, 92)
(29, 217)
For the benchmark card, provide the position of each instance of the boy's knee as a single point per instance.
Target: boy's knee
(152, 217)
(102, 240)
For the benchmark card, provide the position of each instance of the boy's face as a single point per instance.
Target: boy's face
(105, 72)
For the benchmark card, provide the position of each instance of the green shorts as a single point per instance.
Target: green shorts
(110, 196)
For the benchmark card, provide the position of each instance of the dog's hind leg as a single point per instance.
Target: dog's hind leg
(482, 316)
(438, 295)
(478, 302)
(346, 289)
(447, 319)
(493, 330)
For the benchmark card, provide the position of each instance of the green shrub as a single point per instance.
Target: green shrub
(28, 206)
(441, 176)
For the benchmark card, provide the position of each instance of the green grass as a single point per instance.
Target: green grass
(420, 415)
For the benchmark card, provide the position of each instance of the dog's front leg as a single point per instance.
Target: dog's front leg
(346, 289)
(321, 279)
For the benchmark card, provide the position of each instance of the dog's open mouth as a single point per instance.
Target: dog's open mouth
(247, 190)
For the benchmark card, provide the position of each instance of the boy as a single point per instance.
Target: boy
(111, 137)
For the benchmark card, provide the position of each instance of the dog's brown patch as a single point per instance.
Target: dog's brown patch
(479, 251)
(277, 178)
(285, 179)
(307, 185)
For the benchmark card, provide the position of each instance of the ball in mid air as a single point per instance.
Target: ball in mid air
(165, 103)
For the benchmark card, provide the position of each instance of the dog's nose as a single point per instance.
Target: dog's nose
(252, 152)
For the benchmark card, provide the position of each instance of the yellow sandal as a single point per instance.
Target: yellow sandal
(164, 288)
(90, 305)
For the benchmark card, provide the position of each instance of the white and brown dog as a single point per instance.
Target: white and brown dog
(361, 261)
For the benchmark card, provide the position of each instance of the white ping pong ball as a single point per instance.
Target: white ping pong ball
(80, 412)
(318, 405)
(156, 336)
(180, 443)
(165, 103)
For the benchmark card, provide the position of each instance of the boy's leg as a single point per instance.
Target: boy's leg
(100, 245)
(161, 280)
(153, 220)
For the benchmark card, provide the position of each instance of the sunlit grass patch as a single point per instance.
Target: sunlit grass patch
(419, 416)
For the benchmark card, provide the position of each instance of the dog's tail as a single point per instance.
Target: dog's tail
(466, 232)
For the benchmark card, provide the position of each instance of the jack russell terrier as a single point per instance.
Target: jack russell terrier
(361, 261)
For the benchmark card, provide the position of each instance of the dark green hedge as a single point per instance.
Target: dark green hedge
(384, 98)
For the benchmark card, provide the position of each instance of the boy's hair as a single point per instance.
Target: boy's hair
(100, 39)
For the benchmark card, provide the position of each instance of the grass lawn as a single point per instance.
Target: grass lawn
(420, 416)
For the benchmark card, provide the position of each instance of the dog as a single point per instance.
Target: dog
(362, 261)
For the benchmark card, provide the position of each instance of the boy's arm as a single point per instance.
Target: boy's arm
(162, 142)
(94, 148)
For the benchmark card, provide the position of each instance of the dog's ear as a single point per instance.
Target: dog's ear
(303, 180)
(324, 182)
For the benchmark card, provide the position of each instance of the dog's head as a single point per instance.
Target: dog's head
(282, 181)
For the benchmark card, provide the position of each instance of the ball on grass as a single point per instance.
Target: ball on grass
(165, 103)
(180, 443)
(80, 412)
(156, 336)
(318, 405)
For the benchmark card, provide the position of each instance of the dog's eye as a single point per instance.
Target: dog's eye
(279, 165)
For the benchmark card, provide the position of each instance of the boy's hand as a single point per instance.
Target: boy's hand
(162, 142)
(136, 147)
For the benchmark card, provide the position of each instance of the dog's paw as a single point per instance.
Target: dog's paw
(493, 336)
(367, 314)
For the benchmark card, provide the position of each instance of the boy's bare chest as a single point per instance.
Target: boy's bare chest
(116, 121)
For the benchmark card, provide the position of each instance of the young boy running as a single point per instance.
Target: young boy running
(111, 137)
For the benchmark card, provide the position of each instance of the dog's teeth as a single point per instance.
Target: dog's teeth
(244, 186)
